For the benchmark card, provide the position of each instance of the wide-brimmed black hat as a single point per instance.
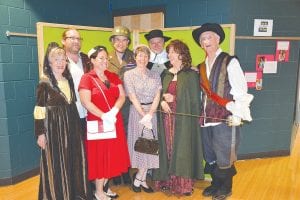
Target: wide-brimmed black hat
(156, 33)
(216, 28)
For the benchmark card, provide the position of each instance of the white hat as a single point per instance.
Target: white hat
(93, 50)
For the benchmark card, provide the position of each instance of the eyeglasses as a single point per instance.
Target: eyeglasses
(74, 38)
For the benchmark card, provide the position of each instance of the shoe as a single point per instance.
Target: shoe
(188, 193)
(148, 190)
(135, 188)
(101, 197)
(221, 195)
(105, 187)
(111, 194)
(164, 188)
(117, 180)
(126, 179)
(108, 192)
(210, 191)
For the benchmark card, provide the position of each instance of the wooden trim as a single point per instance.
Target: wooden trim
(266, 38)
(66, 26)
(20, 177)
(264, 154)
(40, 38)
(40, 47)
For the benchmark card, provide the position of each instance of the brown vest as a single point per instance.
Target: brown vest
(219, 84)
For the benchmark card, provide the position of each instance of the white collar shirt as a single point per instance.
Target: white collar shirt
(239, 89)
(76, 70)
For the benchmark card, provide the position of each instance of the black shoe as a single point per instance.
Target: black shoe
(117, 180)
(221, 195)
(126, 179)
(148, 190)
(164, 188)
(188, 193)
(105, 187)
(135, 188)
(210, 191)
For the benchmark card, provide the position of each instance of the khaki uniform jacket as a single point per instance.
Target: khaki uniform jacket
(114, 65)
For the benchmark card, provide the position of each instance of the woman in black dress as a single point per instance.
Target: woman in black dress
(58, 132)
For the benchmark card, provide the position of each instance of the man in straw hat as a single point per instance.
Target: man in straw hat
(224, 95)
(158, 57)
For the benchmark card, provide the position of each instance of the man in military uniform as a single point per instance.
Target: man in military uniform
(121, 59)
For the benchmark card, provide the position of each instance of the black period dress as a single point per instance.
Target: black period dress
(63, 165)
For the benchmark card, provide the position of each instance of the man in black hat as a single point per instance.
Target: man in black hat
(225, 99)
(158, 57)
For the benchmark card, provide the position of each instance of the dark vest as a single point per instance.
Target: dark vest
(220, 85)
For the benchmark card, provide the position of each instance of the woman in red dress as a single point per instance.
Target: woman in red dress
(106, 158)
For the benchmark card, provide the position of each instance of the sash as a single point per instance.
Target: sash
(204, 83)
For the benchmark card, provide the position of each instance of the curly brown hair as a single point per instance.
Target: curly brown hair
(184, 52)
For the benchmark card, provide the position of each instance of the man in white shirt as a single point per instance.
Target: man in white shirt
(78, 64)
(225, 102)
(158, 56)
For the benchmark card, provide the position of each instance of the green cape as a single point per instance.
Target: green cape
(187, 150)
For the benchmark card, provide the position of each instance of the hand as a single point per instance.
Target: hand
(109, 117)
(165, 106)
(146, 118)
(230, 106)
(146, 121)
(168, 97)
(234, 120)
(113, 112)
(42, 141)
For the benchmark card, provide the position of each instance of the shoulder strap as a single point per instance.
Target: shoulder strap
(142, 133)
(98, 86)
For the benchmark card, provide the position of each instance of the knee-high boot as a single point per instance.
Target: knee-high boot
(225, 176)
(215, 183)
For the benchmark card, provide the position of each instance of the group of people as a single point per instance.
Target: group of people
(194, 112)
